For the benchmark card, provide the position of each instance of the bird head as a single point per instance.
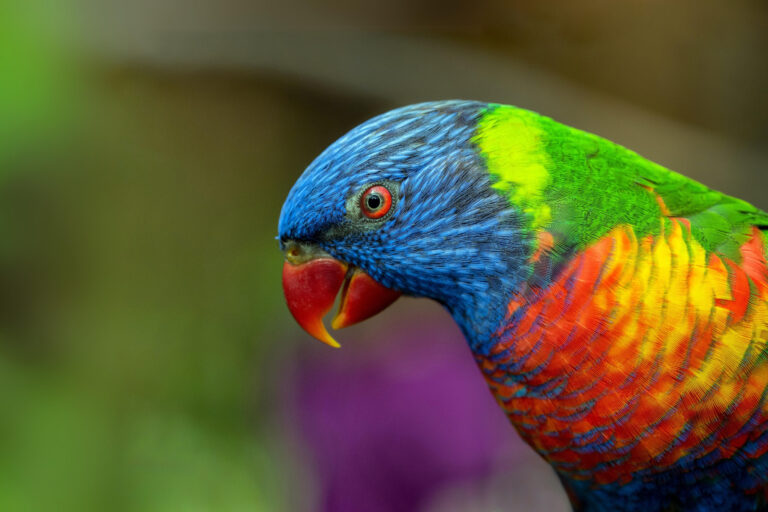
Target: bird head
(402, 204)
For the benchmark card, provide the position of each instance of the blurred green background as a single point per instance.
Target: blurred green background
(146, 355)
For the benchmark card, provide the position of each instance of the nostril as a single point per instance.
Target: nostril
(293, 252)
(299, 252)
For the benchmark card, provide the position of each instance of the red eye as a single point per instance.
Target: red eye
(376, 202)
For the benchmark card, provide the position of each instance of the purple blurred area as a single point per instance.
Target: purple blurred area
(394, 420)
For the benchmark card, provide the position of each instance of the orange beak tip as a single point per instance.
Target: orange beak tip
(328, 340)
(339, 321)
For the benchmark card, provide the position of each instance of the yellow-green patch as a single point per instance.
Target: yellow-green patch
(511, 141)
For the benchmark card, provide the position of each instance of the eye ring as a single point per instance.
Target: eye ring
(376, 202)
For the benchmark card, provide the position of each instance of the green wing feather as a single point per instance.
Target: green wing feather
(580, 186)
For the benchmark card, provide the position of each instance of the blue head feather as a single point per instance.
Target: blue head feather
(451, 236)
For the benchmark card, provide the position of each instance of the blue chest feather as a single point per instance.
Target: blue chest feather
(696, 485)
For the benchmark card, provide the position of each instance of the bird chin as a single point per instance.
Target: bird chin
(311, 288)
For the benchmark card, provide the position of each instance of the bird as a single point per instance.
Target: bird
(617, 310)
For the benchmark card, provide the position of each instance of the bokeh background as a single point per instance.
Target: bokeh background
(147, 361)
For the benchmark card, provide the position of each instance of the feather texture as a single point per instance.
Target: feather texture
(644, 357)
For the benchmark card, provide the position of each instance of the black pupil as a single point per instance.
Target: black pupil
(373, 201)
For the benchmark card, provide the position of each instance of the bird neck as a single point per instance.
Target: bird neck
(492, 308)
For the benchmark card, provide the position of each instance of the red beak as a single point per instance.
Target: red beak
(311, 288)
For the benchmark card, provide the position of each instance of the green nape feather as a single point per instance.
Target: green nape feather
(580, 186)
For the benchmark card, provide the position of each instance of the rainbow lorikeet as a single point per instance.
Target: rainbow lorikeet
(617, 310)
